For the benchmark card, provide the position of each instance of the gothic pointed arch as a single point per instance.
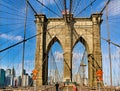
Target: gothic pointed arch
(83, 41)
(52, 41)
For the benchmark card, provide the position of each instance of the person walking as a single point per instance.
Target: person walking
(57, 86)
(74, 87)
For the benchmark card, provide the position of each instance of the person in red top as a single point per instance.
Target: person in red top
(74, 87)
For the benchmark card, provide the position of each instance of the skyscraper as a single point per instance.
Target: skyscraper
(8, 72)
(2, 78)
(8, 77)
(13, 72)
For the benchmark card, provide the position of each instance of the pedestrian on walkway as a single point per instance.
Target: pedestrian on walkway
(57, 86)
(74, 87)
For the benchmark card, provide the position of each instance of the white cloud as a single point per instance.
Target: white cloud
(3, 67)
(11, 37)
(58, 56)
(77, 56)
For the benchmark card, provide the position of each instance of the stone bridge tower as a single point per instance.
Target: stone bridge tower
(68, 31)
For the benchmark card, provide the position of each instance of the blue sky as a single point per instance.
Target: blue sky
(12, 15)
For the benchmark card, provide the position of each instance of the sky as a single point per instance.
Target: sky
(12, 26)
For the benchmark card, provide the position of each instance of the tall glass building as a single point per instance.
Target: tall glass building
(2, 78)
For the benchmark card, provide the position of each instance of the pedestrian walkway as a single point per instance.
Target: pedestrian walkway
(62, 87)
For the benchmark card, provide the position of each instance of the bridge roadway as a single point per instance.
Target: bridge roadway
(61, 88)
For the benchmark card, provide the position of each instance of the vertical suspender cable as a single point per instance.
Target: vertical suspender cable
(119, 69)
(91, 7)
(23, 54)
(65, 9)
(42, 8)
(70, 7)
(109, 50)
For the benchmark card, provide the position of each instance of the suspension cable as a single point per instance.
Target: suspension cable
(85, 8)
(58, 6)
(12, 8)
(115, 44)
(82, 60)
(110, 42)
(48, 8)
(109, 50)
(12, 38)
(62, 6)
(65, 6)
(70, 7)
(27, 39)
(73, 5)
(65, 11)
(11, 13)
(76, 7)
(91, 7)
(23, 54)
(105, 6)
(11, 30)
(7, 18)
(98, 66)
(55, 63)
(9, 24)
(31, 7)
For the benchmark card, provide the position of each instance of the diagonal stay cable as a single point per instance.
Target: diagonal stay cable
(8, 40)
(12, 24)
(24, 36)
(7, 18)
(76, 7)
(27, 39)
(105, 6)
(65, 8)
(74, 4)
(71, 1)
(81, 60)
(31, 7)
(55, 63)
(10, 8)
(58, 6)
(48, 8)
(98, 66)
(61, 4)
(11, 30)
(8, 13)
(13, 7)
(115, 44)
(111, 42)
(85, 8)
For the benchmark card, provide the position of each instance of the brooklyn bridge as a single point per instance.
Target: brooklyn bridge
(59, 45)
